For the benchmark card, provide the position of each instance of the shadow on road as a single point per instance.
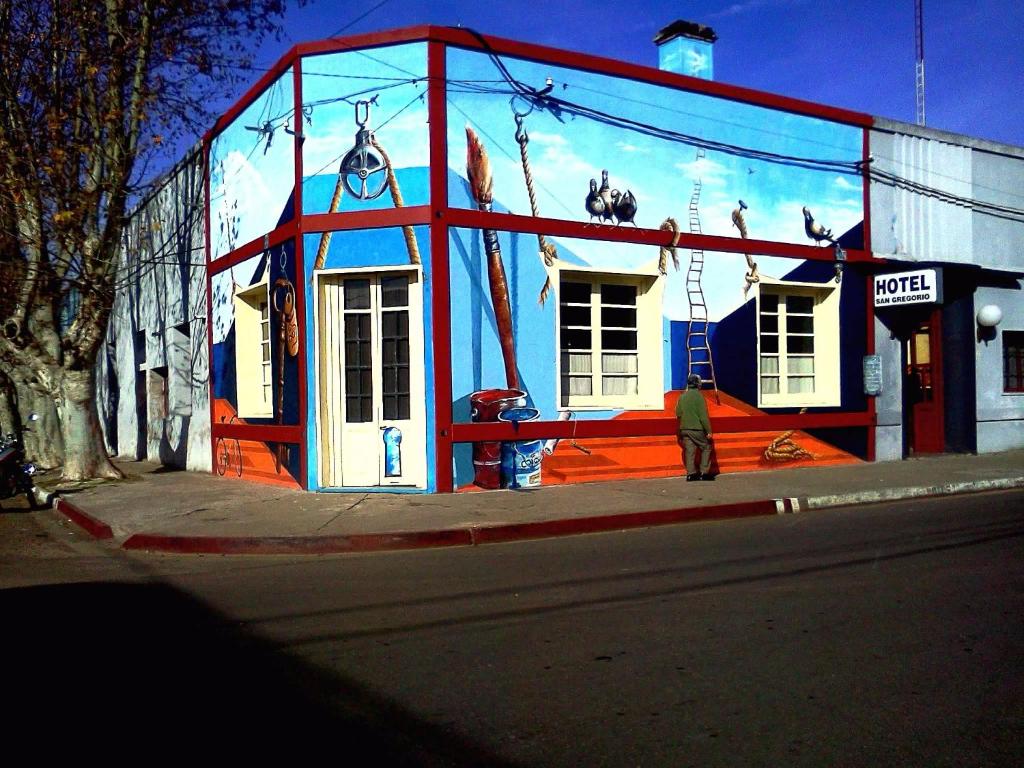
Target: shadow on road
(149, 668)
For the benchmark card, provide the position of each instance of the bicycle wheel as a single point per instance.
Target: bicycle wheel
(221, 457)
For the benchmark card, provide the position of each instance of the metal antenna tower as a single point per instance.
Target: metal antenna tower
(919, 65)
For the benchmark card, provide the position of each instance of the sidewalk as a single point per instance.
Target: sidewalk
(158, 509)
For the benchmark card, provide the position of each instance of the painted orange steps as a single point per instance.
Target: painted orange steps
(598, 465)
(660, 456)
(620, 472)
(721, 439)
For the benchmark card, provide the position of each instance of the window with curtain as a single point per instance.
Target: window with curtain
(599, 341)
(797, 333)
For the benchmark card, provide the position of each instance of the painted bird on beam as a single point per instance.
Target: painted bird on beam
(814, 230)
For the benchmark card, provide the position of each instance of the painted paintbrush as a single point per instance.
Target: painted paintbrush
(478, 170)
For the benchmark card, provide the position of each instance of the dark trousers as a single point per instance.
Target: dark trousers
(691, 441)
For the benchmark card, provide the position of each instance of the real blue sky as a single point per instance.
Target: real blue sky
(858, 55)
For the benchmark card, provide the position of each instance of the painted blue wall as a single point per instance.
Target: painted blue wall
(368, 248)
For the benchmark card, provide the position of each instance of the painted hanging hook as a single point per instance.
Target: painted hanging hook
(363, 162)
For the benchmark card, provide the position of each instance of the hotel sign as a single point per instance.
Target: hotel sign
(922, 286)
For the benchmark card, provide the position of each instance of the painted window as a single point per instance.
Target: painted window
(1013, 361)
(602, 321)
(798, 340)
(253, 365)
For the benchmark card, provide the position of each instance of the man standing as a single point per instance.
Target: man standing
(694, 430)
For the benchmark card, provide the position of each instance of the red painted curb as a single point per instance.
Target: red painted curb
(95, 528)
(453, 537)
(618, 522)
(297, 545)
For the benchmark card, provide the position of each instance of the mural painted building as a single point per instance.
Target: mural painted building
(436, 261)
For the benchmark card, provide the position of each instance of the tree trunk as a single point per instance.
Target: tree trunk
(8, 406)
(86, 455)
(44, 444)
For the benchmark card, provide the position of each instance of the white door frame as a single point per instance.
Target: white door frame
(416, 477)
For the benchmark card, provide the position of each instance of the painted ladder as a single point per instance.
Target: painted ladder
(698, 351)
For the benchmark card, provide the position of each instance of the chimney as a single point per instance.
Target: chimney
(684, 47)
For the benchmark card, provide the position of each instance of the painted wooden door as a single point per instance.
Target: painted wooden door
(923, 379)
(372, 399)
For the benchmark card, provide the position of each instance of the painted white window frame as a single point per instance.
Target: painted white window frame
(825, 332)
(253, 369)
(650, 342)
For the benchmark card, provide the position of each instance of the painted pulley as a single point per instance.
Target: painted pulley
(363, 169)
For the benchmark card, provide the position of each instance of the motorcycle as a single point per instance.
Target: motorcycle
(16, 474)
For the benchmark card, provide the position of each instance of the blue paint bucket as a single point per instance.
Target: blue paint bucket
(520, 460)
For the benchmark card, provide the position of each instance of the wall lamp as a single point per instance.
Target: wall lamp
(989, 316)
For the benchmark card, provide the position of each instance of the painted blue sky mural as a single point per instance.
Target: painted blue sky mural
(394, 80)
(567, 151)
(252, 171)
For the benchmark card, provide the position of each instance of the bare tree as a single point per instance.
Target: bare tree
(91, 94)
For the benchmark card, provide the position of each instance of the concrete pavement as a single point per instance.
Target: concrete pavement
(158, 509)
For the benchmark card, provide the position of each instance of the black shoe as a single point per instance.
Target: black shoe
(706, 477)
(692, 477)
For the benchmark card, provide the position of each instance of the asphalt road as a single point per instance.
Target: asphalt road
(878, 635)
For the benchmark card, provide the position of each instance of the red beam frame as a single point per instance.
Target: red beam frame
(508, 222)
(300, 275)
(412, 215)
(255, 247)
(440, 285)
(654, 426)
(268, 433)
(869, 310)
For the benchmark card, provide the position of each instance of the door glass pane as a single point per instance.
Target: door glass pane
(576, 362)
(618, 385)
(618, 294)
(618, 340)
(801, 345)
(803, 305)
(575, 293)
(800, 384)
(575, 338)
(573, 315)
(799, 324)
(619, 363)
(357, 294)
(394, 291)
(618, 317)
(395, 364)
(577, 385)
(799, 365)
(358, 376)
(922, 352)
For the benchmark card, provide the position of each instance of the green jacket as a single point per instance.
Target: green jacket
(692, 411)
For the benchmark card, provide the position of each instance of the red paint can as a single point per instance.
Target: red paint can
(487, 474)
(485, 406)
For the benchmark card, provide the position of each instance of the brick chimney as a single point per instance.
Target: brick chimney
(684, 47)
